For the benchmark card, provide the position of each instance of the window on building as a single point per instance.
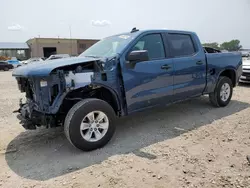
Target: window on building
(83, 46)
(181, 45)
(20, 54)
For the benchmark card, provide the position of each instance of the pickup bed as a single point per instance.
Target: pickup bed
(120, 75)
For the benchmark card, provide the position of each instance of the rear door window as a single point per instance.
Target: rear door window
(181, 45)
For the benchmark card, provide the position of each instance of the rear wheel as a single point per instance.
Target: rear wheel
(90, 124)
(6, 69)
(223, 92)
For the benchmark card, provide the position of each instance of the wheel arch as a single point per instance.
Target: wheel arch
(98, 91)
(116, 102)
(230, 73)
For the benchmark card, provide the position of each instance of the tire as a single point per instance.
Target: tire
(215, 98)
(6, 69)
(78, 113)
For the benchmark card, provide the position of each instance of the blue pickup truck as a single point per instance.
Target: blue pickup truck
(118, 76)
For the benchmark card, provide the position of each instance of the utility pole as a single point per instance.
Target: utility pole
(37, 54)
(70, 40)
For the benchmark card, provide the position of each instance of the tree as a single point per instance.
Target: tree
(212, 45)
(233, 45)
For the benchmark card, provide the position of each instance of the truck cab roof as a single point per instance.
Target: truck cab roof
(139, 32)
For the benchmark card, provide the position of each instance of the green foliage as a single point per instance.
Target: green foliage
(212, 45)
(233, 45)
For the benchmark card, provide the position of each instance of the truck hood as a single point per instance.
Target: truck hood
(44, 68)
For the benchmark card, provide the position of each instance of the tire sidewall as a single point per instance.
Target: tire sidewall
(222, 81)
(74, 125)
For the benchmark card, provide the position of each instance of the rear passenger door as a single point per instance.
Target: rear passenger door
(189, 65)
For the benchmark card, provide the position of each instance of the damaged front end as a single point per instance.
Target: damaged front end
(31, 118)
(45, 94)
(42, 95)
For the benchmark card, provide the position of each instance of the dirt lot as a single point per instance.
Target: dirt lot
(185, 145)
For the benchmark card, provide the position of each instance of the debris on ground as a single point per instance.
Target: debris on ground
(190, 144)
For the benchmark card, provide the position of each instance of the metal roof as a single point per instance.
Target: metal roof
(13, 45)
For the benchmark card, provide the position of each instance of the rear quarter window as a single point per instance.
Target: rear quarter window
(181, 45)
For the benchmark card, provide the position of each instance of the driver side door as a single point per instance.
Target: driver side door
(149, 83)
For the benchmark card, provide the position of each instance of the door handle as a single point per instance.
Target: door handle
(199, 63)
(166, 67)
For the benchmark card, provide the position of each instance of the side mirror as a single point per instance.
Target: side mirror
(138, 56)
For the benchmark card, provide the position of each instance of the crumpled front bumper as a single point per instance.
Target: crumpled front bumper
(30, 119)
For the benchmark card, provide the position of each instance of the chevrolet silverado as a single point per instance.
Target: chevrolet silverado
(118, 76)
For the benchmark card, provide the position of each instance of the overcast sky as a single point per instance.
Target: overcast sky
(212, 20)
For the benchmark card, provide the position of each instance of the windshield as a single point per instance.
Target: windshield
(108, 47)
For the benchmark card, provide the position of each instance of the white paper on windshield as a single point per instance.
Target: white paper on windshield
(124, 36)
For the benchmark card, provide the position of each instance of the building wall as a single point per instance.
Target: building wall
(83, 44)
(63, 46)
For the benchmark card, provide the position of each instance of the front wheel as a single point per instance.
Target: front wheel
(222, 93)
(90, 124)
(6, 69)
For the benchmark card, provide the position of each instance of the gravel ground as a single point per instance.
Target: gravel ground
(190, 144)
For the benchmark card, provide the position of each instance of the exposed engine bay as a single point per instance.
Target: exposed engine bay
(48, 99)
